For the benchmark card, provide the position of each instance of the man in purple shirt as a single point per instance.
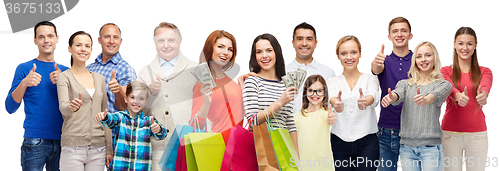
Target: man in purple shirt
(389, 70)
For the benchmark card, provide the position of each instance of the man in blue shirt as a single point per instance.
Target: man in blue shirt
(35, 84)
(116, 71)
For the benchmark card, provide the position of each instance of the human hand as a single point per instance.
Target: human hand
(53, 74)
(113, 85)
(207, 91)
(380, 58)
(101, 116)
(76, 103)
(464, 98)
(481, 96)
(339, 105)
(419, 99)
(362, 103)
(33, 78)
(155, 85)
(155, 128)
(387, 100)
(332, 117)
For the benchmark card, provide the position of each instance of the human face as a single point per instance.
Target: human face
(465, 45)
(46, 39)
(223, 51)
(266, 57)
(424, 59)
(315, 93)
(81, 48)
(136, 101)
(349, 54)
(110, 40)
(167, 43)
(304, 43)
(400, 34)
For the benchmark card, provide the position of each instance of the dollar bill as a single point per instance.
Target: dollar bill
(202, 74)
(287, 81)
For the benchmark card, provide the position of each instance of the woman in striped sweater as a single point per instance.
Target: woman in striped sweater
(265, 95)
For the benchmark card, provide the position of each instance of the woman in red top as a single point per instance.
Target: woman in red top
(223, 104)
(463, 125)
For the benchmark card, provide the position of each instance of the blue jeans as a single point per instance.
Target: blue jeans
(389, 148)
(36, 152)
(428, 158)
(360, 155)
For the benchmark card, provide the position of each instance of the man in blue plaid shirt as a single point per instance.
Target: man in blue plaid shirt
(116, 71)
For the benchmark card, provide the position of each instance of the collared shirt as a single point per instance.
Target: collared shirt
(133, 149)
(312, 68)
(124, 74)
(396, 68)
(167, 66)
(353, 124)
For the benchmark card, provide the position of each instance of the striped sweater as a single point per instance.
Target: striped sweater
(258, 93)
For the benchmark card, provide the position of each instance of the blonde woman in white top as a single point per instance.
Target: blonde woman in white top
(354, 96)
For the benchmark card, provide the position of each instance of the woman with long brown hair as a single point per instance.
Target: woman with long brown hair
(464, 125)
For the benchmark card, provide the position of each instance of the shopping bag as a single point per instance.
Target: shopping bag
(208, 149)
(181, 157)
(240, 151)
(190, 160)
(169, 158)
(284, 148)
(266, 157)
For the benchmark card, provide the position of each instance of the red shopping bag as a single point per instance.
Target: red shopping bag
(242, 157)
(180, 164)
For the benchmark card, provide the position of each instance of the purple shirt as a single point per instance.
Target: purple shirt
(396, 68)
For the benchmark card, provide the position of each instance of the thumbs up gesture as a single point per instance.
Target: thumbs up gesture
(33, 78)
(155, 128)
(155, 86)
(339, 105)
(76, 103)
(380, 58)
(481, 96)
(332, 117)
(388, 99)
(420, 99)
(464, 98)
(53, 74)
(362, 103)
(113, 85)
(101, 116)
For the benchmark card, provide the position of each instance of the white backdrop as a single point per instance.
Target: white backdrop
(433, 21)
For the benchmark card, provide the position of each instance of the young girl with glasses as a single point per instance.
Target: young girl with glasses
(313, 124)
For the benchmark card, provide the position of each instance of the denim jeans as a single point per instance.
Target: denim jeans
(389, 148)
(360, 155)
(36, 152)
(428, 158)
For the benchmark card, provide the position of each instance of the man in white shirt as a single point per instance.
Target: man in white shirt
(304, 42)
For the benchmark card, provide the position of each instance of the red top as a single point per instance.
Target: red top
(218, 111)
(471, 117)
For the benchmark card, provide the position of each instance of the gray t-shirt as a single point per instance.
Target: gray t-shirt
(420, 124)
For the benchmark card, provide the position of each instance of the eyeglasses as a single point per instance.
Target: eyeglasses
(319, 92)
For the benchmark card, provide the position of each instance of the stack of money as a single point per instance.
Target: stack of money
(294, 78)
(202, 74)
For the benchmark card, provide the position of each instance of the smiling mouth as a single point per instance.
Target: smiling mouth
(222, 58)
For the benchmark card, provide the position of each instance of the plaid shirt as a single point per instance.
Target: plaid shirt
(133, 149)
(124, 74)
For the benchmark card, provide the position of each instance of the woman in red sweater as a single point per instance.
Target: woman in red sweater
(464, 125)
(223, 104)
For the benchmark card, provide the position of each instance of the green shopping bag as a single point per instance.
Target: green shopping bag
(190, 161)
(284, 148)
(208, 149)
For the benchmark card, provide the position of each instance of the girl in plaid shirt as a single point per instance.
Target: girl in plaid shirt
(133, 145)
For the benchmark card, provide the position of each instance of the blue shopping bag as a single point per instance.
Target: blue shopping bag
(169, 158)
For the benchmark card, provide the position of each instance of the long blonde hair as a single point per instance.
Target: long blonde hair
(414, 73)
